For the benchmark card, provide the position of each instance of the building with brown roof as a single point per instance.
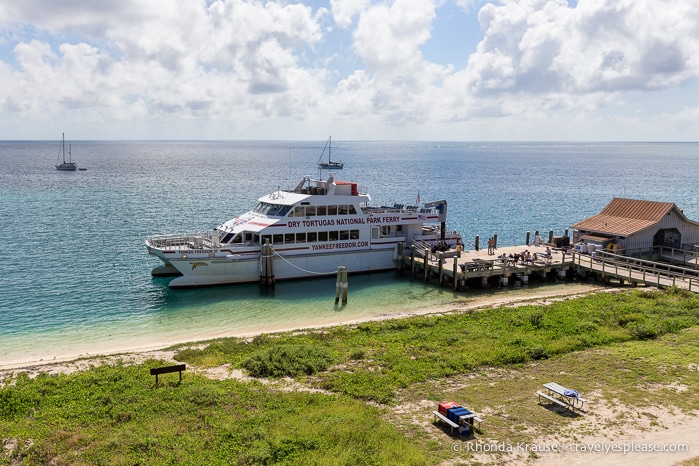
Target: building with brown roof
(633, 223)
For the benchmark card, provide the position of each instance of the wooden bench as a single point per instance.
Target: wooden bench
(166, 370)
(450, 423)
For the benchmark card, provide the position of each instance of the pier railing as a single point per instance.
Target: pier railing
(635, 269)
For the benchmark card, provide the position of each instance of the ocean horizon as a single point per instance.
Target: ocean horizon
(77, 274)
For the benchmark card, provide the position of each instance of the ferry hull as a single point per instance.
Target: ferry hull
(166, 270)
(213, 272)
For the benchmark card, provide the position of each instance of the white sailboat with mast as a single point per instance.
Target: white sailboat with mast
(65, 166)
(329, 164)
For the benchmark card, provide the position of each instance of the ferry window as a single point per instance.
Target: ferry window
(322, 236)
(374, 232)
(278, 238)
(352, 210)
(332, 235)
(226, 238)
(289, 238)
(354, 234)
(385, 230)
(299, 211)
(278, 210)
(238, 239)
(300, 237)
(310, 211)
(342, 210)
(312, 237)
(249, 236)
(255, 238)
(321, 210)
(332, 210)
(344, 235)
(266, 239)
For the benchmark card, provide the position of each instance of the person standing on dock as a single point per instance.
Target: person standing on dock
(490, 246)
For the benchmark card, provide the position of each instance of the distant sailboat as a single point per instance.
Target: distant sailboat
(65, 166)
(329, 164)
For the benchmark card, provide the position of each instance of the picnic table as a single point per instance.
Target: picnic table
(558, 394)
(457, 417)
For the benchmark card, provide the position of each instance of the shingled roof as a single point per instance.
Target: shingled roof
(623, 217)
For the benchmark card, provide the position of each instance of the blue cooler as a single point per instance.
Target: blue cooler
(454, 413)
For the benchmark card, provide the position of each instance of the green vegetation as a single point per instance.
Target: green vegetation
(116, 415)
(627, 347)
(373, 360)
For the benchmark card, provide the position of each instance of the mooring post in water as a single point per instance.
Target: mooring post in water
(341, 285)
(456, 267)
(427, 263)
(441, 267)
(412, 261)
(478, 238)
(495, 241)
(526, 243)
(550, 236)
(267, 269)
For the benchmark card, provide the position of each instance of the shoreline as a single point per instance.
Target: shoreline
(115, 349)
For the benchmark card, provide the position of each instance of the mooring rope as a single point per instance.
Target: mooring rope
(297, 267)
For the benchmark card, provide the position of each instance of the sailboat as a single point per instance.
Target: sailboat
(65, 166)
(329, 164)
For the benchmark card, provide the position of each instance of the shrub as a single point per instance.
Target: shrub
(643, 331)
(537, 318)
(288, 361)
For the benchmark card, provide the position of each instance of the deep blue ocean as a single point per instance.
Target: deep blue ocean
(76, 274)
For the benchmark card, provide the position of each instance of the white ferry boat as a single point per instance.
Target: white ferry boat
(306, 232)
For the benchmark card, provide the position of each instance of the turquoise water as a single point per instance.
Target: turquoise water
(76, 275)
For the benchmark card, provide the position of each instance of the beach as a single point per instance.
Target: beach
(59, 359)
(635, 443)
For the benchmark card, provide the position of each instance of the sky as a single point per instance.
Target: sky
(462, 70)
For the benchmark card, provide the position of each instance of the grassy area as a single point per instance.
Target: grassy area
(630, 348)
(374, 360)
(115, 415)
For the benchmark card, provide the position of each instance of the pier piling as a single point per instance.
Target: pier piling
(267, 269)
(341, 285)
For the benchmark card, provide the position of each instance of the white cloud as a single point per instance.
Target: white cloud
(252, 64)
(539, 46)
(345, 11)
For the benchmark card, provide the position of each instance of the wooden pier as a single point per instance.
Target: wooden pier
(456, 267)
(637, 271)
(460, 269)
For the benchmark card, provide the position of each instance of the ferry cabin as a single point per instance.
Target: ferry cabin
(311, 230)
